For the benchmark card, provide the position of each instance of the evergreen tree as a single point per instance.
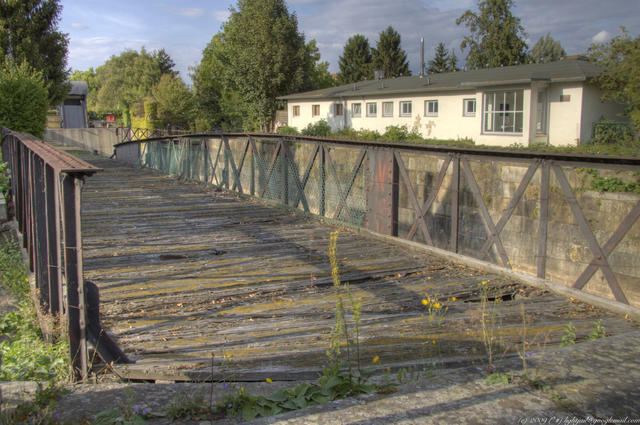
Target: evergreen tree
(497, 37)
(176, 105)
(165, 62)
(355, 62)
(29, 32)
(547, 50)
(388, 56)
(443, 61)
(267, 57)
(317, 73)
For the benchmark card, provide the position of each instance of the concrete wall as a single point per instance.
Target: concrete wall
(594, 109)
(101, 140)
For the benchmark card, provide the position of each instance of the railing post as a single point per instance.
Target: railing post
(323, 180)
(285, 172)
(53, 241)
(41, 251)
(71, 188)
(455, 203)
(382, 192)
(543, 221)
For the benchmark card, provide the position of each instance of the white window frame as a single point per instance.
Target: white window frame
(489, 115)
(357, 113)
(387, 113)
(465, 109)
(434, 111)
(371, 113)
(313, 110)
(404, 111)
(295, 110)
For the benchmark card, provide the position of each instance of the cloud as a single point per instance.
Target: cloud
(601, 37)
(79, 27)
(222, 15)
(191, 12)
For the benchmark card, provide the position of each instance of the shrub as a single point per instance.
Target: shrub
(320, 128)
(23, 98)
(287, 130)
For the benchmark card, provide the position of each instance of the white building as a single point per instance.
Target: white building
(554, 103)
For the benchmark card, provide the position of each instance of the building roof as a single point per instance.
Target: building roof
(560, 71)
(79, 88)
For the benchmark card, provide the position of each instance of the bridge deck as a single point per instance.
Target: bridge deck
(191, 277)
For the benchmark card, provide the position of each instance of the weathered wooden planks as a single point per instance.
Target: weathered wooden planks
(195, 281)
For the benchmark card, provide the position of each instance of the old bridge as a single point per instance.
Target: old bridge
(204, 280)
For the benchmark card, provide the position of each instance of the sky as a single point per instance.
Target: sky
(99, 29)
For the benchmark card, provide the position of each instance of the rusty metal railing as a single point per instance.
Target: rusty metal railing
(523, 210)
(45, 194)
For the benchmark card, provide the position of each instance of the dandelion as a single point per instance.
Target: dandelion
(375, 359)
(437, 305)
(269, 380)
(484, 282)
(453, 298)
(424, 301)
(434, 341)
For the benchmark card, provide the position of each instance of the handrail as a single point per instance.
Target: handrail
(45, 192)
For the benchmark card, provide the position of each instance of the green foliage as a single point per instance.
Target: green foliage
(13, 275)
(264, 57)
(24, 103)
(4, 179)
(612, 184)
(620, 80)
(546, 50)
(356, 61)
(287, 130)
(497, 378)
(29, 32)
(175, 103)
(598, 331)
(93, 85)
(497, 37)
(188, 406)
(443, 61)
(319, 128)
(165, 63)
(613, 133)
(569, 335)
(388, 56)
(38, 411)
(317, 72)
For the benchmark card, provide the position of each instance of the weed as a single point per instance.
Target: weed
(38, 411)
(4, 179)
(598, 331)
(497, 378)
(435, 310)
(489, 323)
(569, 336)
(188, 406)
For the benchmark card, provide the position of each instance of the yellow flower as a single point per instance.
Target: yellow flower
(484, 282)
(269, 380)
(424, 302)
(375, 359)
(437, 305)
(434, 341)
(453, 298)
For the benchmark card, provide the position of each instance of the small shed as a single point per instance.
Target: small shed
(73, 111)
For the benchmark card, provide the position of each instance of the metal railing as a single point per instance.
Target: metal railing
(452, 198)
(45, 193)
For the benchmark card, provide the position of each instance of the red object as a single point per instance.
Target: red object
(111, 118)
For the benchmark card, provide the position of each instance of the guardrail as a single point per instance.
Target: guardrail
(46, 187)
(528, 211)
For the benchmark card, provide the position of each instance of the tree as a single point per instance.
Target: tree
(165, 62)
(443, 61)
(547, 50)
(24, 98)
(388, 56)
(497, 37)
(264, 57)
(620, 79)
(176, 105)
(217, 100)
(92, 83)
(29, 32)
(317, 73)
(356, 61)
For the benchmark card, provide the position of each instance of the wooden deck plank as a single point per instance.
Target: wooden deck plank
(187, 272)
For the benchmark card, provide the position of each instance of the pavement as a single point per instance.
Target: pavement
(589, 382)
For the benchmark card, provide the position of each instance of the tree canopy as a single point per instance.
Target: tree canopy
(29, 32)
(497, 37)
(546, 50)
(24, 98)
(388, 56)
(443, 61)
(265, 57)
(620, 79)
(356, 61)
(175, 102)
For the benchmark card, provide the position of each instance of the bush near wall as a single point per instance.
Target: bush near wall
(23, 98)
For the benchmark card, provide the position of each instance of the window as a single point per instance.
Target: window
(430, 108)
(372, 109)
(502, 112)
(405, 109)
(387, 109)
(338, 109)
(315, 110)
(356, 110)
(296, 110)
(469, 107)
